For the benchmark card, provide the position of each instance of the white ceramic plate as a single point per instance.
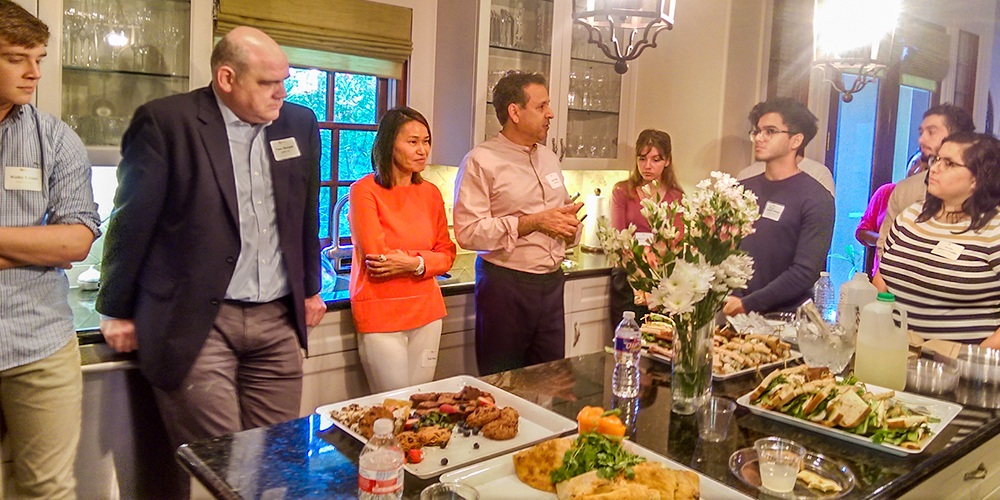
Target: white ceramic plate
(536, 425)
(495, 479)
(794, 355)
(942, 410)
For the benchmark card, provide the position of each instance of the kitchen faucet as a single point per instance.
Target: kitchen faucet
(339, 255)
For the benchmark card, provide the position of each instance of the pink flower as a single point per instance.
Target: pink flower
(650, 257)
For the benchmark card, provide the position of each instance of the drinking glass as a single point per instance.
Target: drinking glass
(825, 344)
(779, 460)
(714, 418)
(449, 491)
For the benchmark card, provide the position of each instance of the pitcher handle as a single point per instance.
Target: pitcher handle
(902, 317)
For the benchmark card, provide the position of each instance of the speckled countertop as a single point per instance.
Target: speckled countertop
(302, 460)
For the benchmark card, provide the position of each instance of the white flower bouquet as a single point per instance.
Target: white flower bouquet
(691, 262)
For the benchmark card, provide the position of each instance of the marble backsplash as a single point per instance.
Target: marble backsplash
(443, 176)
(577, 181)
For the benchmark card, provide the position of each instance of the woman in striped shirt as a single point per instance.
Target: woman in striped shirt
(942, 258)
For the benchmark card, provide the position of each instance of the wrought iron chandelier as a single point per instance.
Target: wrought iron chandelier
(856, 37)
(615, 26)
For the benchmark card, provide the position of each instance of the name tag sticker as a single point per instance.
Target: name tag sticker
(284, 149)
(643, 238)
(22, 179)
(428, 358)
(554, 180)
(948, 250)
(773, 211)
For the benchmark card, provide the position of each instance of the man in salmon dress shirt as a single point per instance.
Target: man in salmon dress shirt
(511, 205)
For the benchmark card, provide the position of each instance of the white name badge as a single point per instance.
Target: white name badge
(948, 250)
(554, 180)
(644, 238)
(428, 358)
(284, 149)
(773, 211)
(22, 179)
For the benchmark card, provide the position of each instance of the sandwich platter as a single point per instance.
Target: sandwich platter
(941, 412)
(496, 479)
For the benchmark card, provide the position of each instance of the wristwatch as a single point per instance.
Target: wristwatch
(419, 271)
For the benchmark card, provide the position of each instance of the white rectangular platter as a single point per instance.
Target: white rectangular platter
(536, 425)
(495, 479)
(942, 410)
(794, 355)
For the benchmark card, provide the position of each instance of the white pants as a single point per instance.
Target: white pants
(400, 359)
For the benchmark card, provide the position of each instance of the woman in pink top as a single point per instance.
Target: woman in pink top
(653, 162)
(400, 233)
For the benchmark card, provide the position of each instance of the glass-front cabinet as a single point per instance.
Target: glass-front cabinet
(113, 56)
(586, 92)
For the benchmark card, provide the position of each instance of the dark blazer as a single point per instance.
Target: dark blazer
(173, 240)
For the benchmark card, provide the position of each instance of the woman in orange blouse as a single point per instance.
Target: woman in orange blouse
(401, 243)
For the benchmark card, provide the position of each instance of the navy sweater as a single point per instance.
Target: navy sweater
(789, 252)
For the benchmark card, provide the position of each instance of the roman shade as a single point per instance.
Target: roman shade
(358, 36)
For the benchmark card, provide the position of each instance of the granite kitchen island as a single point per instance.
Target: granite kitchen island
(302, 460)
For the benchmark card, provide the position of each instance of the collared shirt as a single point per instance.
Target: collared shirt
(815, 169)
(260, 274)
(907, 192)
(35, 317)
(497, 182)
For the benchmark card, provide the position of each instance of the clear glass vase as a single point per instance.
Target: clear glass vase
(691, 373)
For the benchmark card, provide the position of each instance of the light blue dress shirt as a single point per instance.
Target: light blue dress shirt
(260, 274)
(35, 317)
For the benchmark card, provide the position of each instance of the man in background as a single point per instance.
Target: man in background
(211, 265)
(48, 219)
(511, 206)
(939, 122)
(792, 236)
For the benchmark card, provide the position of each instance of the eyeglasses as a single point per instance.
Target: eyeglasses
(766, 133)
(945, 163)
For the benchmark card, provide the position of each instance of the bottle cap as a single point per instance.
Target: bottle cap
(823, 273)
(628, 315)
(886, 297)
(383, 426)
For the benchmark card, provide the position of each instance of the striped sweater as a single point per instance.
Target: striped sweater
(947, 283)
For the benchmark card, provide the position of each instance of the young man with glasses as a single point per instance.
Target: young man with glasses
(939, 122)
(793, 235)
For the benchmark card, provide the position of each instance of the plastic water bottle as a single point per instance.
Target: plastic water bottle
(380, 467)
(854, 296)
(628, 341)
(825, 297)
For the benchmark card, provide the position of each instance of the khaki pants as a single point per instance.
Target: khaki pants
(40, 425)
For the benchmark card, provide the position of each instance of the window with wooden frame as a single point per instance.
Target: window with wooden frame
(348, 107)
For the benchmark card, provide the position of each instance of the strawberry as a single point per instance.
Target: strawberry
(415, 456)
(447, 409)
(486, 401)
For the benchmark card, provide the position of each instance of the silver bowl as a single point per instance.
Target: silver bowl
(927, 376)
(979, 364)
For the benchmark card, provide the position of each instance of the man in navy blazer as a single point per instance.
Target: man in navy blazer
(211, 265)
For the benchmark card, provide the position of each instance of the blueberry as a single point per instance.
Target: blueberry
(444, 461)
(466, 433)
(475, 446)
(475, 430)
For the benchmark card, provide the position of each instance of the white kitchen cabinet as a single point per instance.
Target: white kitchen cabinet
(974, 476)
(587, 315)
(592, 103)
(108, 57)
